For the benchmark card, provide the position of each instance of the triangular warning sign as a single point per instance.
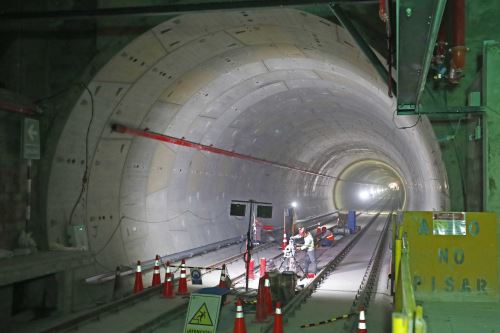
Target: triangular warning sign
(202, 317)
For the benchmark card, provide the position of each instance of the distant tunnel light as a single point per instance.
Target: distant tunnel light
(294, 204)
(364, 195)
(393, 186)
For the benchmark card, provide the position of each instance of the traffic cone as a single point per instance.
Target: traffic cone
(278, 319)
(156, 273)
(239, 321)
(183, 289)
(168, 285)
(222, 282)
(268, 296)
(262, 267)
(261, 308)
(251, 268)
(138, 286)
(285, 242)
(362, 323)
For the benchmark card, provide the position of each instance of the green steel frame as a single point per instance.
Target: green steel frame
(361, 42)
(417, 24)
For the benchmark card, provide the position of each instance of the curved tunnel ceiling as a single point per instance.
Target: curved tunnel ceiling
(277, 84)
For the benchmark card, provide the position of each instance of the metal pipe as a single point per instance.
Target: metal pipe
(171, 9)
(362, 44)
(28, 193)
(382, 13)
(17, 108)
(458, 50)
(198, 146)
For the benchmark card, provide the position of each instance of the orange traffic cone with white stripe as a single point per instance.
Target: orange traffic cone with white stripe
(362, 323)
(138, 286)
(278, 319)
(156, 273)
(183, 289)
(222, 282)
(239, 321)
(267, 294)
(168, 285)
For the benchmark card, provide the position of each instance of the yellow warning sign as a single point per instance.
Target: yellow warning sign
(453, 255)
(203, 313)
(202, 317)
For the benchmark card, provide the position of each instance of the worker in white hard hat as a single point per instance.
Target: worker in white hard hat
(310, 257)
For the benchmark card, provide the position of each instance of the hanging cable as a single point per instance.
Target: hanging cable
(419, 118)
(86, 170)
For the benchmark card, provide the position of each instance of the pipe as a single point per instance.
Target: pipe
(28, 193)
(458, 50)
(17, 108)
(170, 9)
(382, 13)
(198, 146)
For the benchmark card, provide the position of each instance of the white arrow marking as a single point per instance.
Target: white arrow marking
(32, 132)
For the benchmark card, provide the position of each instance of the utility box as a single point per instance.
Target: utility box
(77, 236)
(351, 221)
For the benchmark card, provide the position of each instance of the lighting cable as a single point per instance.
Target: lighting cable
(85, 173)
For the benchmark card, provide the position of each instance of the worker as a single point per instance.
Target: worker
(310, 256)
(326, 237)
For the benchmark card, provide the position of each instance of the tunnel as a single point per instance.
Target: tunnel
(279, 85)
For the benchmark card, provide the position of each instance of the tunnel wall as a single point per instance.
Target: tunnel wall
(209, 78)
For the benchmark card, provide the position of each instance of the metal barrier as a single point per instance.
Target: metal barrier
(408, 316)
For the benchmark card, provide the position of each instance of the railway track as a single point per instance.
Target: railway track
(337, 283)
(90, 320)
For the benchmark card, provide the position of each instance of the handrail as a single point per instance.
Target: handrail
(408, 317)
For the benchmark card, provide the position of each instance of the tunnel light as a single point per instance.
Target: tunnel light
(364, 195)
(393, 186)
(294, 204)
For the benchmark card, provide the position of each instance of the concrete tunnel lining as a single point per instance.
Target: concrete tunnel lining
(284, 86)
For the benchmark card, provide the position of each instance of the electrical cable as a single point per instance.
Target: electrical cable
(85, 173)
(419, 118)
(56, 94)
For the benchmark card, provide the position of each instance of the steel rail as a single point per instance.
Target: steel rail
(297, 301)
(148, 265)
(363, 296)
(132, 299)
(181, 309)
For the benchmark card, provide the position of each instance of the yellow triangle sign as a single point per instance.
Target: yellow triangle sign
(202, 317)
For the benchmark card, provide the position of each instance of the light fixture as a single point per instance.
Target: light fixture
(294, 204)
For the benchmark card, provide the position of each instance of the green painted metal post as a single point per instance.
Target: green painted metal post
(491, 101)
